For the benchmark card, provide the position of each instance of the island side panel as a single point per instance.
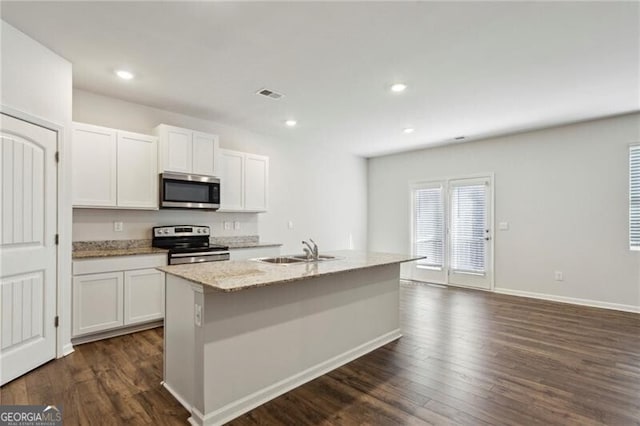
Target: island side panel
(180, 340)
(264, 341)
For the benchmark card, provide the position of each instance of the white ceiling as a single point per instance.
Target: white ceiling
(473, 68)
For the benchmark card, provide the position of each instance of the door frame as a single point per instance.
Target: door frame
(488, 175)
(63, 227)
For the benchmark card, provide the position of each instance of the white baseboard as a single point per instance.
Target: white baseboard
(237, 408)
(176, 395)
(67, 349)
(117, 332)
(572, 300)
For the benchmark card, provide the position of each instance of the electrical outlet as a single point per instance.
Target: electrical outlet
(290, 224)
(558, 275)
(118, 226)
(198, 315)
(236, 225)
(227, 226)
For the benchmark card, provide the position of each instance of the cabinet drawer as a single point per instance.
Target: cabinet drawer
(118, 263)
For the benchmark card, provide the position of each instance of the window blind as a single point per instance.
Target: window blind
(634, 197)
(468, 227)
(429, 226)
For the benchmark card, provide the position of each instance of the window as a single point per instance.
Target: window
(634, 197)
(428, 225)
(468, 227)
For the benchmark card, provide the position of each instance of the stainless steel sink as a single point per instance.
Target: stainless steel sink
(280, 260)
(320, 257)
(298, 258)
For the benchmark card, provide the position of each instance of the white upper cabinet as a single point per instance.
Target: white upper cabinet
(94, 152)
(113, 168)
(187, 151)
(231, 180)
(137, 171)
(256, 182)
(244, 181)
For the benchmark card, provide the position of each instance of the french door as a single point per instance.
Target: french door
(451, 226)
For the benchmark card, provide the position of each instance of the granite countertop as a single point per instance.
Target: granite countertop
(236, 275)
(243, 241)
(108, 248)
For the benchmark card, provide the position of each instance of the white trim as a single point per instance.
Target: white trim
(570, 300)
(239, 407)
(67, 349)
(177, 396)
(63, 226)
(117, 332)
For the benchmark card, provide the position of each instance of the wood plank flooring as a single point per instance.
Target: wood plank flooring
(467, 357)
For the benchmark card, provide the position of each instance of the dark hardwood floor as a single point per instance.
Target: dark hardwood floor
(467, 357)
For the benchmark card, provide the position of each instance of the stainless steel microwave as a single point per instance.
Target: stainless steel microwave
(185, 191)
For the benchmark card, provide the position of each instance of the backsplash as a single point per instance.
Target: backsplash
(98, 224)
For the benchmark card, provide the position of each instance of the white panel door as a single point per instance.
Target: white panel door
(97, 302)
(143, 295)
(137, 171)
(27, 250)
(205, 153)
(94, 166)
(177, 149)
(256, 182)
(231, 180)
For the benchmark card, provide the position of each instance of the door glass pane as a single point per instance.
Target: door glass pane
(429, 226)
(468, 228)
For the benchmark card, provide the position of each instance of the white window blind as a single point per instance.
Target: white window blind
(468, 227)
(634, 197)
(429, 226)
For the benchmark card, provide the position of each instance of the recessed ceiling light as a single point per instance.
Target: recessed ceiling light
(125, 75)
(291, 123)
(408, 130)
(398, 87)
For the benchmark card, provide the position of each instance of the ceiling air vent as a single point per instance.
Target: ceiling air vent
(269, 94)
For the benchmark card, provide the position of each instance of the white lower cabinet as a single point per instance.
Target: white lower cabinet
(117, 292)
(97, 302)
(144, 296)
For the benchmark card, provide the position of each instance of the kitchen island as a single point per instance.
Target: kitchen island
(239, 333)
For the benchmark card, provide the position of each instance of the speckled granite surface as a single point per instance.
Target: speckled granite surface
(238, 275)
(243, 241)
(107, 248)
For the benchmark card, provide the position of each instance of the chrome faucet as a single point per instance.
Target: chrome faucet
(311, 252)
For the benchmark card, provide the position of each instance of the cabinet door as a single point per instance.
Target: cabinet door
(144, 296)
(137, 171)
(176, 146)
(256, 182)
(231, 180)
(205, 154)
(94, 166)
(97, 302)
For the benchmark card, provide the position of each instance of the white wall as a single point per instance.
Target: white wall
(322, 191)
(36, 86)
(564, 192)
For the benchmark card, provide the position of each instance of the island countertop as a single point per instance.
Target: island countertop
(234, 275)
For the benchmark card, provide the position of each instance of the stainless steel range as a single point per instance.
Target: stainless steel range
(188, 244)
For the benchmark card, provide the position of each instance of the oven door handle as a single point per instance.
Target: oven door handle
(199, 253)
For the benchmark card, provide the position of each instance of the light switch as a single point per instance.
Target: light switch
(236, 225)
(118, 226)
(290, 224)
(227, 226)
(503, 226)
(198, 315)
